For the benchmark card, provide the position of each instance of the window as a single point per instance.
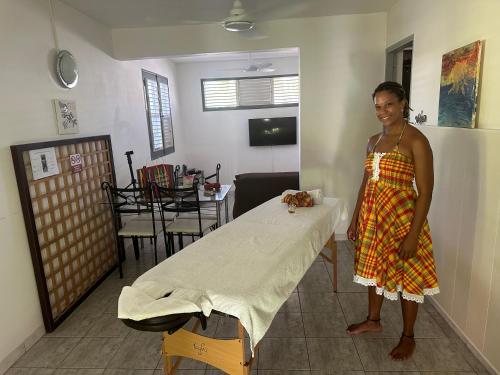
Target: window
(157, 100)
(250, 92)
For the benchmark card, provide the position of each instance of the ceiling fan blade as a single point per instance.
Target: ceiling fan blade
(253, 34)
(264, 65)
(267, 70)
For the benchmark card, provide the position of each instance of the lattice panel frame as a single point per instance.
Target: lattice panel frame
(68, 223)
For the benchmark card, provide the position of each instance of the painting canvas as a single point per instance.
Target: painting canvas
(459, 86)
(67, 122)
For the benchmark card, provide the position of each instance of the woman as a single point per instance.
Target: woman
(389, 226)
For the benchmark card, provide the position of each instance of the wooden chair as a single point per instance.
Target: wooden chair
(133, 217)
(182, 201)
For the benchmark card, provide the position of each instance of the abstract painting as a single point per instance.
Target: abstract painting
(460, 70)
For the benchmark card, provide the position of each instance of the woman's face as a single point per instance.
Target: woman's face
(388, 108)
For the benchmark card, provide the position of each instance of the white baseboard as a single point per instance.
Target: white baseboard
(480, 356)
(11, 358)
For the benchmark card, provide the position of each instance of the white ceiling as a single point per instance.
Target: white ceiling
(231, 56)
(148, 13)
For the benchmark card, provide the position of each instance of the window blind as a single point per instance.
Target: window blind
(250, 92)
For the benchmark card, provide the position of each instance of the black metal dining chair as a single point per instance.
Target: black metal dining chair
(182, 201)
(133, 217)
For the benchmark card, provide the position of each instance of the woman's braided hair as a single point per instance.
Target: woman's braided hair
(396, 89)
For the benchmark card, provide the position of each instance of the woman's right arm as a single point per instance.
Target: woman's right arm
(352, 231)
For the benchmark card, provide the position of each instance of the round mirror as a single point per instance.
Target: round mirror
(67, 71)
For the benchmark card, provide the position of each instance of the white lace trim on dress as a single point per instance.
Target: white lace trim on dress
(376, 165)
(393, 296)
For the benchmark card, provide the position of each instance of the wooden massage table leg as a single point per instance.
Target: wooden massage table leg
(227, 355)
(332, 245)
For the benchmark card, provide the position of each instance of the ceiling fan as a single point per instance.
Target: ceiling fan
(238, 19)
(240, 22)
(252, 66)
(262, 67)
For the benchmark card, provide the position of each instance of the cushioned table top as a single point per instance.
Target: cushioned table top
(247, 268)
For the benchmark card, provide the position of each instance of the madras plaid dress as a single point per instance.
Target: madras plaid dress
(384, 221)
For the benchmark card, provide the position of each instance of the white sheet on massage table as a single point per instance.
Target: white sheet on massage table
(247, 268)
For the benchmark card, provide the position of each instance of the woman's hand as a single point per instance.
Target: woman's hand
(408, 248)
(352, 232)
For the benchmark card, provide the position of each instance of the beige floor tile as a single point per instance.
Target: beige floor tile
(111, 371)
(79, 371)
(139, 350)
(284, 372)
(30, 371)
(316, 279)
(48, 352)
(439, 355)
(283, 354)
(76, 325)
(337, 354)
(92, 353)
(325, 324)
(286, 325)
(337, 372)
(108, 325)
(317, 302)
(374, 353)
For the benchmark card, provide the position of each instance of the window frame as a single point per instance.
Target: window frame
(239, 107)
(158, 78)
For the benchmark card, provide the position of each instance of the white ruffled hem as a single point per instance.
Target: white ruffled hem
(393, 296)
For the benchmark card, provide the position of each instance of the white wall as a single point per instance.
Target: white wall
(109, 101)
(465, 212)
(341, 62)
(222, 136)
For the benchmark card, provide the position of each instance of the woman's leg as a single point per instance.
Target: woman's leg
(406, 344)
(372, 323)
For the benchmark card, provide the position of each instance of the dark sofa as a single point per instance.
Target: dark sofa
(253, 189)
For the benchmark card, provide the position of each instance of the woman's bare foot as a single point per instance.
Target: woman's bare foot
(369, 325)
(404, 349)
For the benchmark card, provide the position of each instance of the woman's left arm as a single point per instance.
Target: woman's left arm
(424, 179)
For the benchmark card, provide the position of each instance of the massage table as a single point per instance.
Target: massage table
(245, 269)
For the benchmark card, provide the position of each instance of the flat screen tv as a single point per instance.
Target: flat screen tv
(275, 131)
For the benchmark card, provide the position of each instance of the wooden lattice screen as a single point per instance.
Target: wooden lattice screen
(69, 226)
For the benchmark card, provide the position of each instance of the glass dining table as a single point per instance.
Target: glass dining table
(218, 199)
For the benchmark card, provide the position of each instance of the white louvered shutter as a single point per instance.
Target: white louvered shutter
(220, 94)
(286, 90)
(154, 113)
(166, 116)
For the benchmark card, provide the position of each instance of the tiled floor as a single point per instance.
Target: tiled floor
(307, 336)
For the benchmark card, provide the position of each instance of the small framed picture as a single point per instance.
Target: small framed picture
(67, 121)
(43, 162)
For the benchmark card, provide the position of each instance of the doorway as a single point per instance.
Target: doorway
(399, 59)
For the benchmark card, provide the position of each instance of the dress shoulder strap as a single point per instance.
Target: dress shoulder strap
(376, 143)
(400, 136)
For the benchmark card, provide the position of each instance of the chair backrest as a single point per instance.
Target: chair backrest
(177, 175)
(216, 174)
(178, 200)
(129, 201)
